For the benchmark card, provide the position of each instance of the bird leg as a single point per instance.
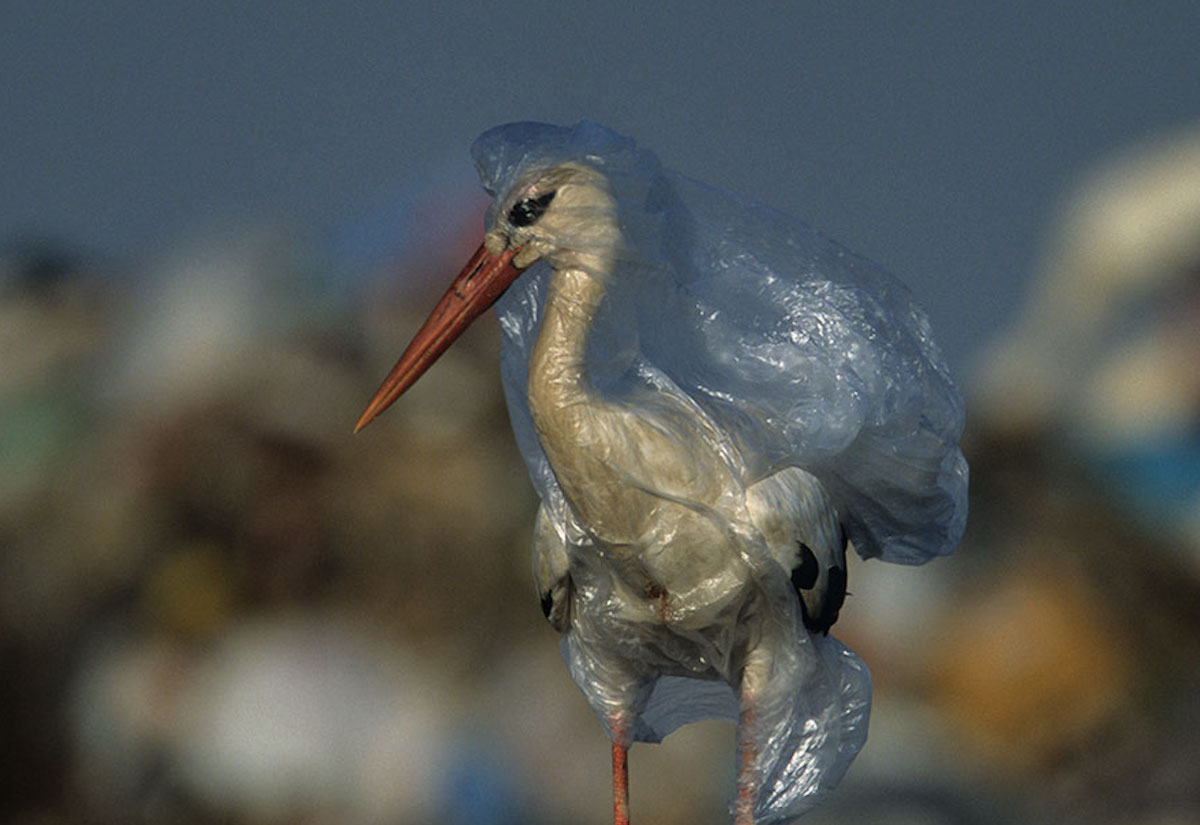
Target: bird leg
(755, 673)
(620, 754)
(620, 766)
(747, 780)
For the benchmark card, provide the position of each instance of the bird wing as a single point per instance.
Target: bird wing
(551, 574)
(810, 356)
(800, 526)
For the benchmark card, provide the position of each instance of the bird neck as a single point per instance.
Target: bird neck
(558, 363)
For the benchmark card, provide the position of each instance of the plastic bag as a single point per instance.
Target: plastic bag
(796, 353)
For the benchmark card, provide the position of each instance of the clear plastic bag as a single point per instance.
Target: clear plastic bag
(799, 354)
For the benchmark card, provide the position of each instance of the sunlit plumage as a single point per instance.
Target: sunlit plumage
(714, 401)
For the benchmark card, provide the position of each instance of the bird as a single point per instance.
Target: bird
(715, 403)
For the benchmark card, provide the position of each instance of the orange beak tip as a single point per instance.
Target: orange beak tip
(368, 415)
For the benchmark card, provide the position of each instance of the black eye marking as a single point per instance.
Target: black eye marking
(529, 210)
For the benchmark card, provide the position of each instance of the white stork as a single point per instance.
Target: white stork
(714, 401)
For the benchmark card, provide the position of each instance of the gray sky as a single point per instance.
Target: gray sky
(934, 137)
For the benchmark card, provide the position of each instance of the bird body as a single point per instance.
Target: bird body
(714, 402)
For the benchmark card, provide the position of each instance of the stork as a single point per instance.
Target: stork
(713, 408)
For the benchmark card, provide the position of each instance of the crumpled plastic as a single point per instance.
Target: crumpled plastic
(802, 354)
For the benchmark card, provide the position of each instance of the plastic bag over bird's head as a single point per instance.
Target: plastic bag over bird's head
(802, 352)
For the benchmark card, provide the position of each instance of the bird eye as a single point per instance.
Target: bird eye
(529, 210)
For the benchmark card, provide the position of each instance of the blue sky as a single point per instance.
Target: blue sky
(936, 137)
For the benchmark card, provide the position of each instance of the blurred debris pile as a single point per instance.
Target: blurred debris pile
(1087, 507)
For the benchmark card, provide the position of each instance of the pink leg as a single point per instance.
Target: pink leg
(747, 781)
(620, 763)
(756, 673)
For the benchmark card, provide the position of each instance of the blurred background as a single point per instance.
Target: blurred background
(219, 224)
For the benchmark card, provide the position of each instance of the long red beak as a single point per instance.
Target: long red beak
(482, 281)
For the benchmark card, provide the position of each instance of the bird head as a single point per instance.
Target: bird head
(555, 191)
(563, 214)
